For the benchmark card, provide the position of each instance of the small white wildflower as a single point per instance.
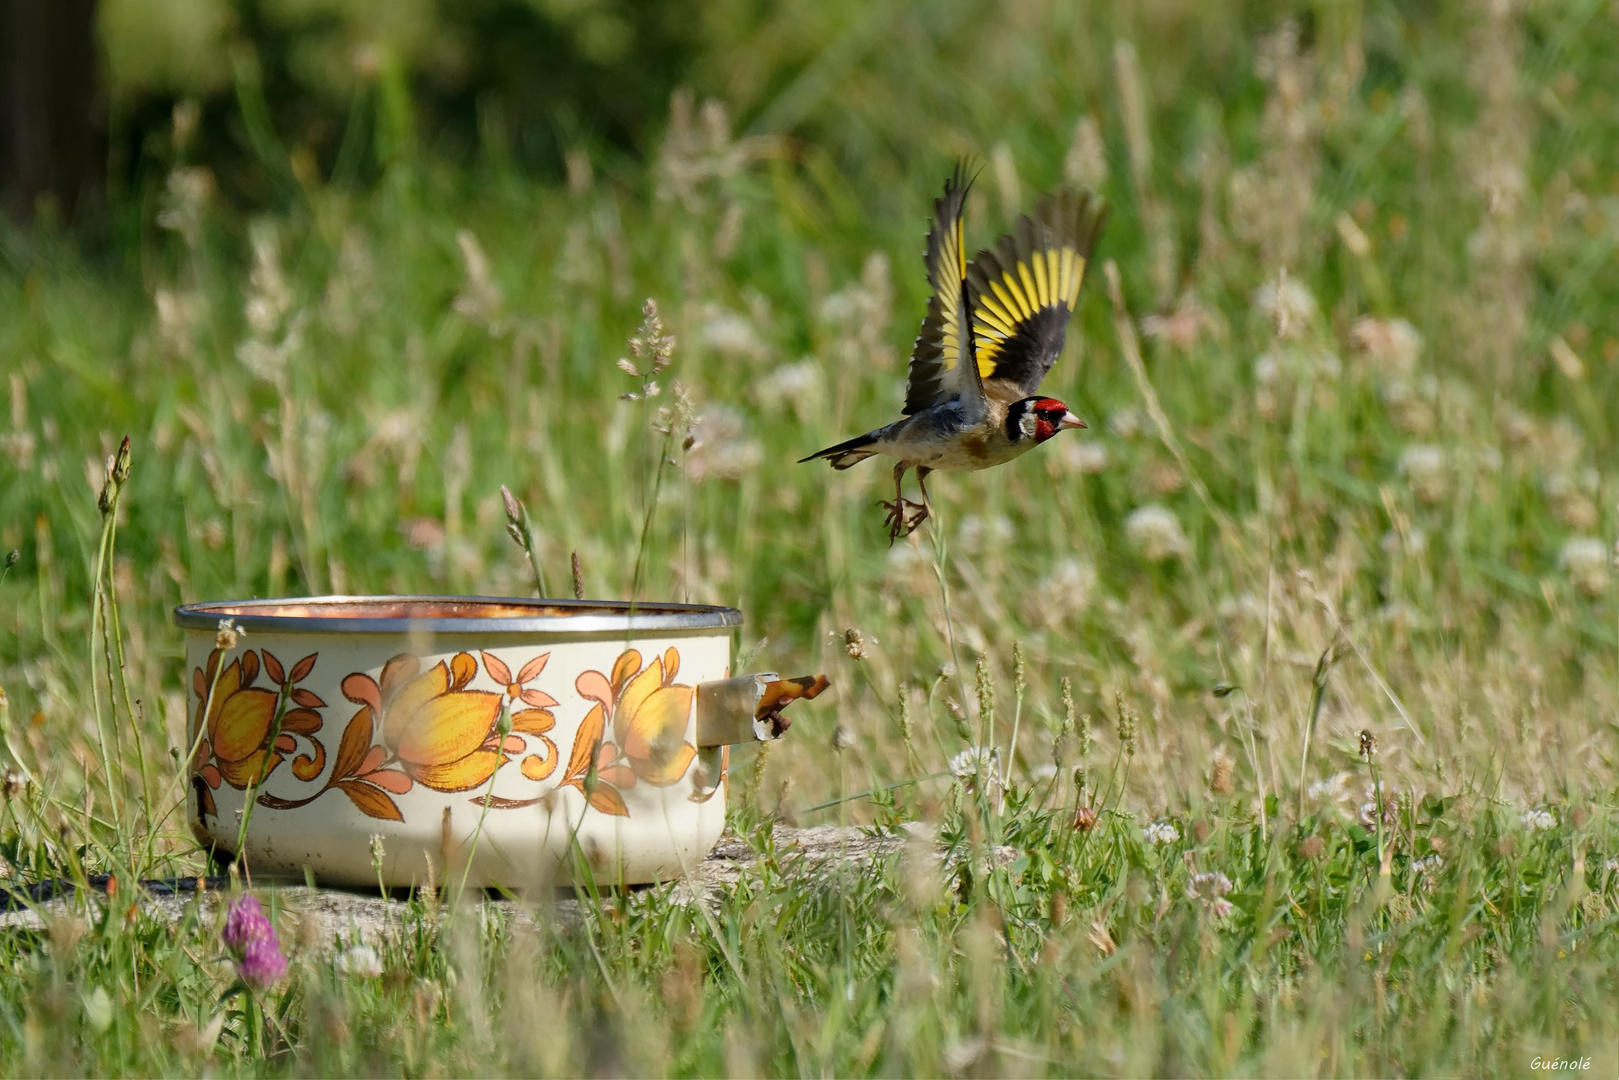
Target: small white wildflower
(1611, 866)
(1393, 345)
(721, 448)
(1586, 561)
(1539, 820)
(797, 385)
(1424, 467)
(980, 534)
(1065, 591)
(974, 761)
(1416, 542)
(359, 960)
(1156, 533)
(1210, 890)
(1430, 865)
(1288, 304)
(1085, 456)
(730, 334)
(1126, 423)
(1366, 813)
(1160, 833)
(1267, 369)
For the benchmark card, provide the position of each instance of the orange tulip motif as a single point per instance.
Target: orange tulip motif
(649, 713)
(241, 742)
(438, 732)
(429, 727)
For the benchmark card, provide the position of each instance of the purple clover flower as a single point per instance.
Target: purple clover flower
(245, 922)
(248, 933)
(262, 964)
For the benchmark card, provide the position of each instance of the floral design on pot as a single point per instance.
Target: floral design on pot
(440, 733)
(536, 718)
(649, 712)
(244, 732)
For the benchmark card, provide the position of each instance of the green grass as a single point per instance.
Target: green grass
(1364, 536)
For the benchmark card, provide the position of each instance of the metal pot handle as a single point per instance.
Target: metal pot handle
(749, 708)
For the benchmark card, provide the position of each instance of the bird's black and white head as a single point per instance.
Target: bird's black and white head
(1033, 420)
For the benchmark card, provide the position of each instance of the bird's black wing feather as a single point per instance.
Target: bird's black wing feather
(1022, 293)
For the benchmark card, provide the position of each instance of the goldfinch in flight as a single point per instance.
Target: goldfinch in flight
(992, 330)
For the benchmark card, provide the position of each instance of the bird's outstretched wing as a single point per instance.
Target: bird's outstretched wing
(945, 337)
(1022, 292)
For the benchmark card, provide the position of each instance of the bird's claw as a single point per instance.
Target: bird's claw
(904, 517)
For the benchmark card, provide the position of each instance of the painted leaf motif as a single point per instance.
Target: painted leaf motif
(532, 669)
(533, 721)
(199, 685)
(464, 669)
(301, 670)
(278, 675)
(388, 779)
(306, 767)
(250, 667)
(374, 758)
(671, 664)
(660, 719)
(356, 741)
(593, 686)
(539, 699)
(362, 690)
(607, 799)
(371, 801)
(497, 669)
(536, 767)
(308, 699)
(301, 721)
(584, 743)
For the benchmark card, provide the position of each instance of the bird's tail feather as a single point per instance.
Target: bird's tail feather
(845, 454)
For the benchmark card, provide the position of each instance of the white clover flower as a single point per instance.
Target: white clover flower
(1424, 467)
(975, 761)
(1065, 591)
(1538, 820)
(1210, 890)
(799, 385)
(1156, 533)
(1160, 833)
(730, 334)
(1086, 456)
(1428, 866)
(981, 533)
(359, 960)
(1393, 345)
(1288, 304)
(1586, 561)
(1611, 866)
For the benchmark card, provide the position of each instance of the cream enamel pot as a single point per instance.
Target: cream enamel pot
(508, 741)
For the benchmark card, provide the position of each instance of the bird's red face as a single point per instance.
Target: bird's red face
(1052, 416)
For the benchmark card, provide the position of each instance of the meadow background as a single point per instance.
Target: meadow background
(1351, 468)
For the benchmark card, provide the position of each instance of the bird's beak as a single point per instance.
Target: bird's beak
(1069, 420)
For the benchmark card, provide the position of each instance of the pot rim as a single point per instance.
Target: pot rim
(451, 615)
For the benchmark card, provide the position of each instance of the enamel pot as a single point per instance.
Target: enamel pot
(415, 740)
